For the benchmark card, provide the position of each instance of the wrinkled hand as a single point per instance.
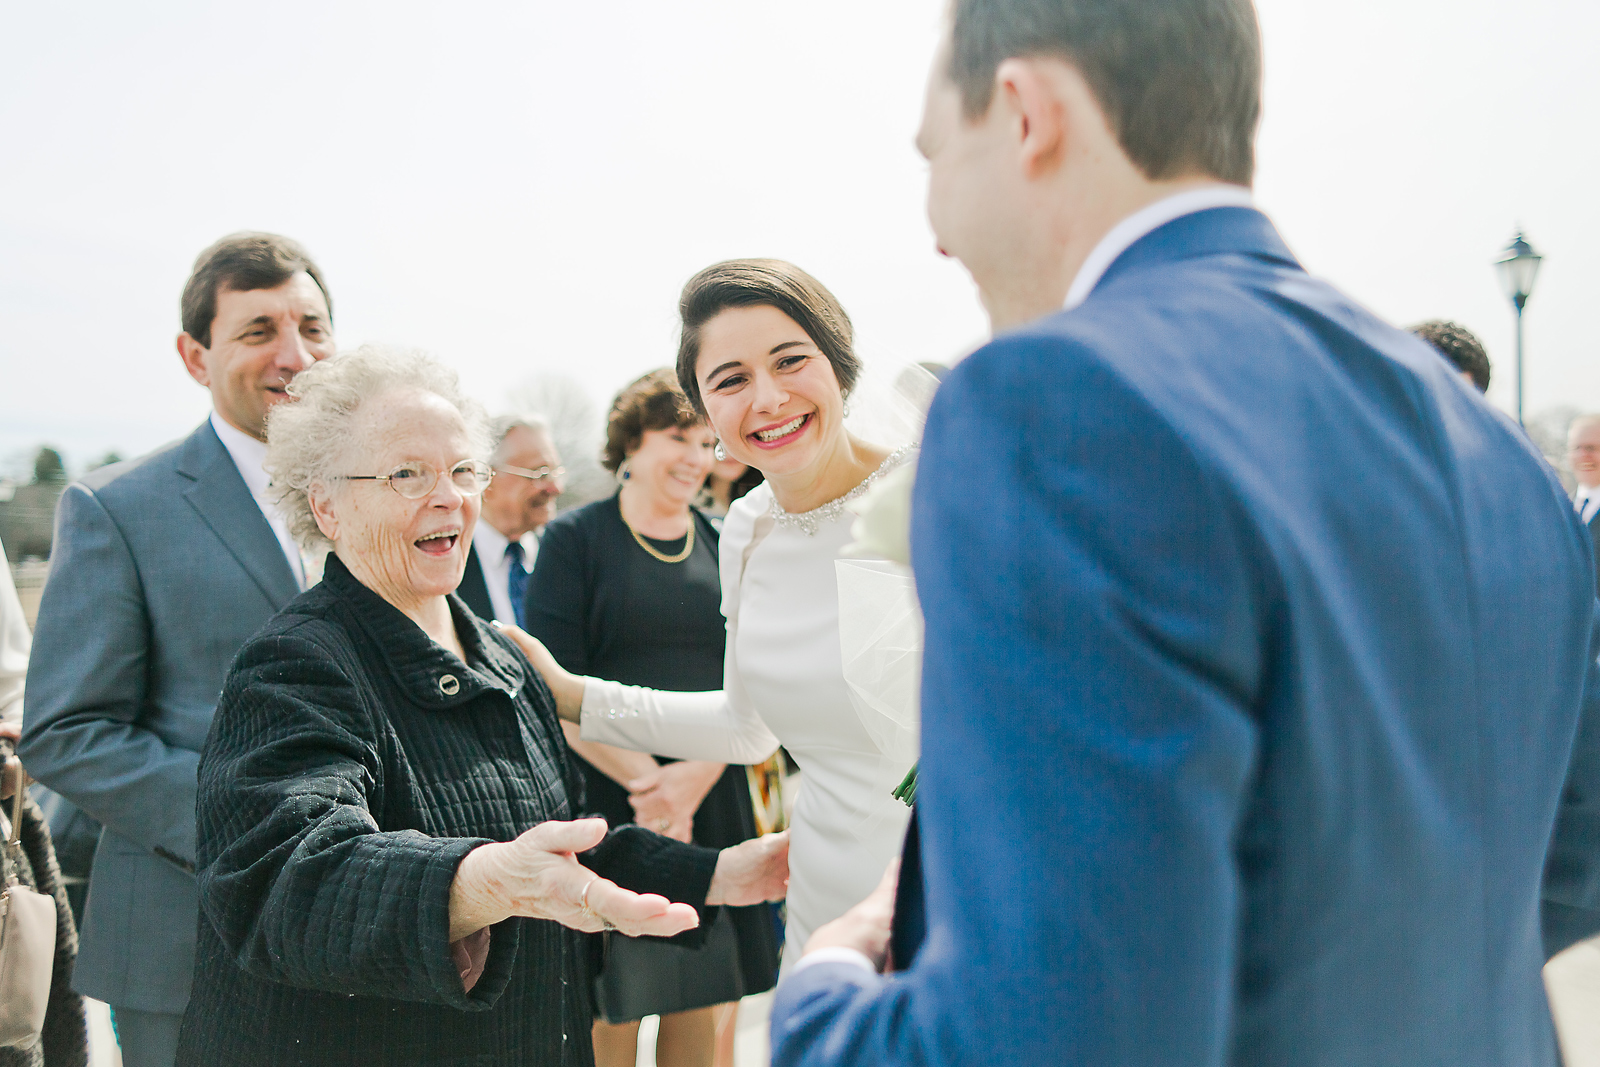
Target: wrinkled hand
(864, 927)
(538, 876)
(752, 872)
(666, 799)
(11, 776)
(566, 687)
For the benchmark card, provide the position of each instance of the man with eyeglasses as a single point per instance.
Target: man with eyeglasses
(518, 503)
(162, 568)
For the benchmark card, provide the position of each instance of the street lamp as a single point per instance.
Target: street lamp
(1518, 266)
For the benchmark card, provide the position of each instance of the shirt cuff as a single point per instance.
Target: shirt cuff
(594, 698)
(835, 954)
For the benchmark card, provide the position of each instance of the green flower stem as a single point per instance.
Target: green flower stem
(906, 791)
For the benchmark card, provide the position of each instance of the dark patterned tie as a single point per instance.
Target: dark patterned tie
(518, 582)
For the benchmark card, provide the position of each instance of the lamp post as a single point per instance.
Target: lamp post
(1518, 266)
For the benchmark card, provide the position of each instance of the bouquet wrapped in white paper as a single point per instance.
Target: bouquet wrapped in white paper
(880, 623)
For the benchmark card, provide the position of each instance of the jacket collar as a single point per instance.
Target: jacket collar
(1215, 231)
(224, 504)
(429, 673)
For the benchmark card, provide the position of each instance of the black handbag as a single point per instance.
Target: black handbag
(647, 976)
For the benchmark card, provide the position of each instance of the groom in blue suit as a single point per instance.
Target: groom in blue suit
(1250, 699)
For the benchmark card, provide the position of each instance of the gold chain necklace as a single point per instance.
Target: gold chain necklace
(688, 545)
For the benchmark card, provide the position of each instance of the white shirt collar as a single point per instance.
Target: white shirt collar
(250, 457)
(1145, 220)
(490, 543)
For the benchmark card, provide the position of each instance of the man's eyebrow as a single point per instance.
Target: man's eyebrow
(786, 344)
(259, 320)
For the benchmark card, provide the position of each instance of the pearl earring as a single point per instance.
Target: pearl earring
(719, 452)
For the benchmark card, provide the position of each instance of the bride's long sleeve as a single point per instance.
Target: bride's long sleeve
(723, 726)
(696, 726)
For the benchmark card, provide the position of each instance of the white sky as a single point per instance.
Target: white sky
(525, 186)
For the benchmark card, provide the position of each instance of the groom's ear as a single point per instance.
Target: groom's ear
(1050, 112)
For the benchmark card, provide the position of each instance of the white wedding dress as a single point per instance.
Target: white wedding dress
(785, 684)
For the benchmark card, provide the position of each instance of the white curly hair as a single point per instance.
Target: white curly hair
(307, 436)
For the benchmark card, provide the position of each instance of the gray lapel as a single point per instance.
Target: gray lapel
(225, 504)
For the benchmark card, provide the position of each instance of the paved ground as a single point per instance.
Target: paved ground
(1573, 979)
(750, 1044)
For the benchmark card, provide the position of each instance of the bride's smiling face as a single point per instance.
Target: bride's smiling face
(769, 391)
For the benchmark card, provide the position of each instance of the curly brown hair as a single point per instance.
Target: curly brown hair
(652, 402)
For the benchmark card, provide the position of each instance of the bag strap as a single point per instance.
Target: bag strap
(10, 869)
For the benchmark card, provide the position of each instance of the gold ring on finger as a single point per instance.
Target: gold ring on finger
(583, 906)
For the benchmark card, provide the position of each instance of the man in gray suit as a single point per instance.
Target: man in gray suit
(162, 567)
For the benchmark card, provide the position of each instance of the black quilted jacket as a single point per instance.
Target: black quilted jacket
(351, 765)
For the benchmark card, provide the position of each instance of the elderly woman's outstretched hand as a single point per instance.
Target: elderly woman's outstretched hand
(538, 876)
(566, 687)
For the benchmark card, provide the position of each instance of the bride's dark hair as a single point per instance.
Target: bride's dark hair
(775, 283)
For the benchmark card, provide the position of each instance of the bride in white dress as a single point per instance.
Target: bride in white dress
(766, 353)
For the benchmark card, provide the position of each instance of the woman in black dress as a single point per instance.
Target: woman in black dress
(628, 588)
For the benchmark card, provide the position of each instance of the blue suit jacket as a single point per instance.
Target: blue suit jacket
(162, 567)
(1251, 682)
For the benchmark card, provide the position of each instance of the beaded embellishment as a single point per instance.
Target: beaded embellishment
(809, 522)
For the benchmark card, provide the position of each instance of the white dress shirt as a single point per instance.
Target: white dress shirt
(1587, 502)
(490, 545)
(1147, 219)
(250, 455)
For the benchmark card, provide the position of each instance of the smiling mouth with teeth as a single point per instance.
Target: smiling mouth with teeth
(777, 432)
(439, 544)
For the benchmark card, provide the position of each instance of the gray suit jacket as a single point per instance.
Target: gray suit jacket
(162, 568)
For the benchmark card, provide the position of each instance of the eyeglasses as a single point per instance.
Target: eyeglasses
(416, 480)
(538, 474)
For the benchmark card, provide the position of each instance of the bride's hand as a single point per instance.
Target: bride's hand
(566, 687)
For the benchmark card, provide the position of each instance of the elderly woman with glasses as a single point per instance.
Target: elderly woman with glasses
(391, 865)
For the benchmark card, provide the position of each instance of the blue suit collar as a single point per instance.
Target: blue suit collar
(1214, 231)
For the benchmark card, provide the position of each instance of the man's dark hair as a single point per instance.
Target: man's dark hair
(1457, 344)
(775, 283)
(1179, 80)
(242, 262)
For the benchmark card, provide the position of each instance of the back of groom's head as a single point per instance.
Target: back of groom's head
(1179, 80)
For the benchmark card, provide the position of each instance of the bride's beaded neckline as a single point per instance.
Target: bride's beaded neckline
(809, 522)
